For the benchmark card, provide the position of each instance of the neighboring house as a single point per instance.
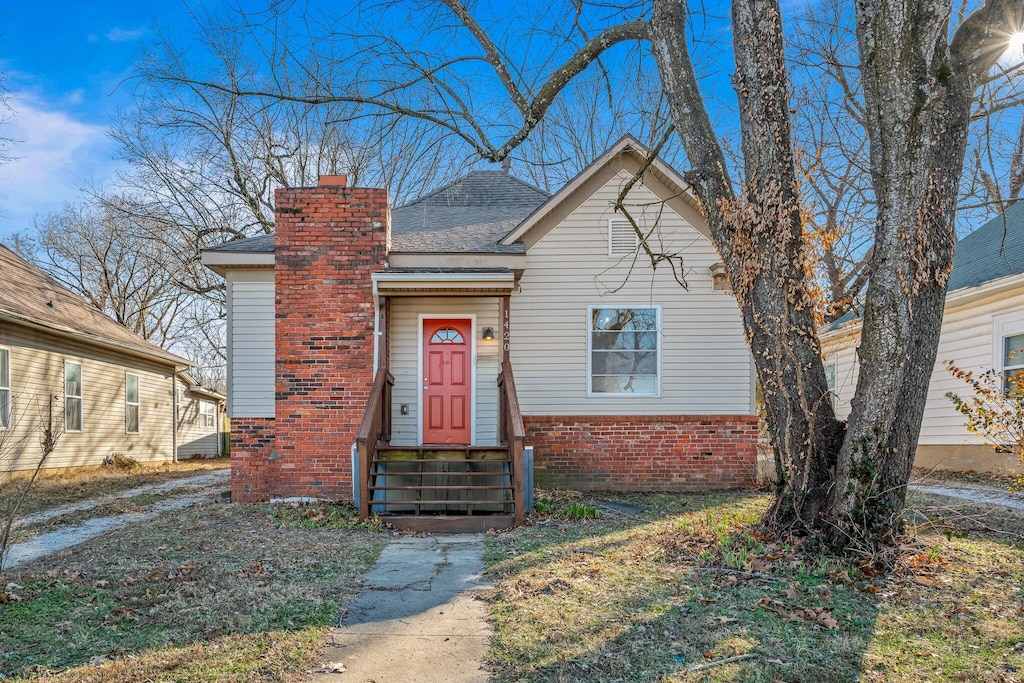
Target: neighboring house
(982, 329)
(114, 391)
(200, 418)
(451, 337)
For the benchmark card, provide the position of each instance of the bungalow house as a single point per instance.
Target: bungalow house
(982, 329)
(200, 414)
(113, 391)
(451, 338)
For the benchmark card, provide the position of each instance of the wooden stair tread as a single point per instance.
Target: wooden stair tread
(454, 487)
(481, 460)
(452, 503)
(449, 524)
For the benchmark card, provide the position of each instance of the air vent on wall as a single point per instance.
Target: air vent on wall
(622, 238)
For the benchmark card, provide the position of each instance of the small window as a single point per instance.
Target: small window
(622, 238)
(131, 403)
(72, 396)
(207, 414)
(625, 347)
(5, 389)
(830, 380)
(447, 335)
(1013, 363)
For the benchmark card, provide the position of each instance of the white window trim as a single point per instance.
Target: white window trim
(10, 393)
(137, 404)
(81, 397)
(636, 239)
(212, 414)
(589, 332)
(1003, 326)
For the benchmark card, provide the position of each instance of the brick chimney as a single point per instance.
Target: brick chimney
(328, 241)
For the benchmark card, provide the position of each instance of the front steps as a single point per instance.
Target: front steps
(443, 489)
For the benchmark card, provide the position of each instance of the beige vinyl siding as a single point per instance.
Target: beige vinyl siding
(195, 440)
(844, 354)
(705, 364)
(37, 371)
(405, 339)
(967, 340)
(250, 343)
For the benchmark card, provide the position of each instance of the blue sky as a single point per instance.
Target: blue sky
(65, 63)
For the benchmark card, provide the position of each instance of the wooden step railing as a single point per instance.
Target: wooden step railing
(375, 434)
(374, 431)
(512, 433)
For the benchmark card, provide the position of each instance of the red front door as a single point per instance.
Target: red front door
(447, 381)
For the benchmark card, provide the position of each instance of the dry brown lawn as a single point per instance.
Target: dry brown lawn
(212, 592)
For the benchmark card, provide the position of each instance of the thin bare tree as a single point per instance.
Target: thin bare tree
(16, 448)
(116, 263)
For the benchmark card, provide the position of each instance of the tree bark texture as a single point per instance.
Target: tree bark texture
(759, 234)
(844, 481)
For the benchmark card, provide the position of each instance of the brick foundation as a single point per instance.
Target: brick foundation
(252, 444)
(643, 452)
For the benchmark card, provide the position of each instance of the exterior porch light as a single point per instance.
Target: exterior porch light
(488, 334)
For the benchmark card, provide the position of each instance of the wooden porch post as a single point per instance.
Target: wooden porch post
(506, 328)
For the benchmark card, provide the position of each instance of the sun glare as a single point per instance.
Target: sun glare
(1014, 54)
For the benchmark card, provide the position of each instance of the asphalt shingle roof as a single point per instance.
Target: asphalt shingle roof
(32, 295)
(264, 244)
(993, 251)
(471, 214)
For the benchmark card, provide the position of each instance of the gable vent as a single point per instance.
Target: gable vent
(622, 238)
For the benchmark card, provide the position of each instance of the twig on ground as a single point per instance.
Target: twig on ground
(739, 572)
(722, 662)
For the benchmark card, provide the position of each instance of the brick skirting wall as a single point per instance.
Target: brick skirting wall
(643, 452)
(253, 473)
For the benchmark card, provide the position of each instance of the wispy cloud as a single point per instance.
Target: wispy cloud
(122, 35)
(55, 155)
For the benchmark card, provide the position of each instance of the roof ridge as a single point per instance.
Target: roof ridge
(463, 177)
(65, 295)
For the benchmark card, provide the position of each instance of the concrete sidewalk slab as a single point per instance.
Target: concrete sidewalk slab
(418, 618)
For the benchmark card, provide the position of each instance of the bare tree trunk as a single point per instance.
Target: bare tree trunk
(918, 96)
(760, 237)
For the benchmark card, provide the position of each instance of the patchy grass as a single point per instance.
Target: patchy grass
(210, 592)
(73, 484)
(324, 515)
(688, 583)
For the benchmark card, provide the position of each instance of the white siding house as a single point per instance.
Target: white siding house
(984, 310)
(111, 392)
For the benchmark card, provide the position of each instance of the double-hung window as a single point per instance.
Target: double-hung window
(207, 414)
(624, 346)
(131, 403)
(1013, 363)
(5, 388)
(72, 396)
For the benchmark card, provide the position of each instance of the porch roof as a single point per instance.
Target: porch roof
(445, 281)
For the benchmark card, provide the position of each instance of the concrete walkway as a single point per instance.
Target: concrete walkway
(975, 493)
(72, 535)
(199, 481)
(417, 619)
